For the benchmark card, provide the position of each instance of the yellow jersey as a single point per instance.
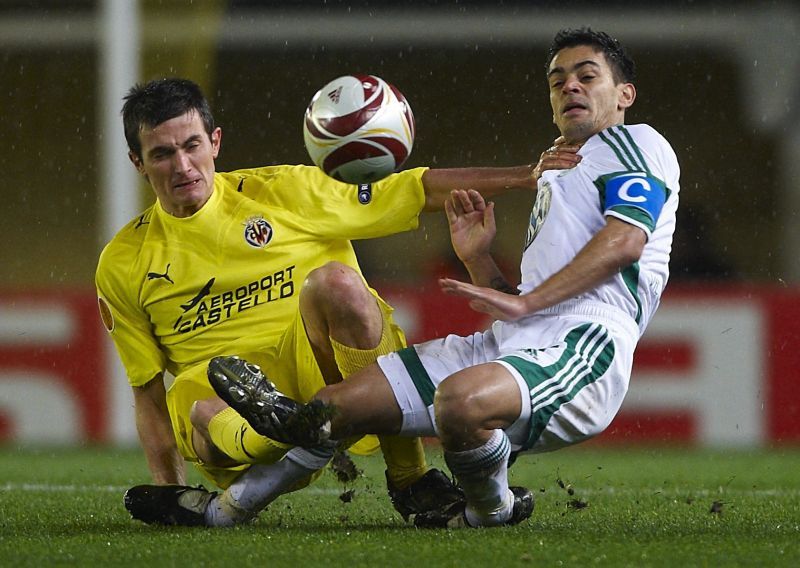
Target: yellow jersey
(175, 292)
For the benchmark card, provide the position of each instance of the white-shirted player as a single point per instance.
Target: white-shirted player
(554, 369)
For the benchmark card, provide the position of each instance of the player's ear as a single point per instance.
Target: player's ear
(136, 161)
(216, 141)
(627, 94)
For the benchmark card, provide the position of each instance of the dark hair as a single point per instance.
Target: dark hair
(159, 100)
(622, 66)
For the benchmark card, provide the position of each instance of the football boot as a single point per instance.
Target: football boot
(454, 516)
(175, 505)
(245, 388)
(434, 491)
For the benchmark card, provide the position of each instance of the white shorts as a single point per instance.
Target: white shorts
(572, 364)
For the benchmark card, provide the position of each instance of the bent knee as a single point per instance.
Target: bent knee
(477, 399)
(336, 284)
(458, 407)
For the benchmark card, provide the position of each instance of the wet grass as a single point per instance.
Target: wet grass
(643, 507)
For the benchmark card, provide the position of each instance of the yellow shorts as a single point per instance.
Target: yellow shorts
(290, 365)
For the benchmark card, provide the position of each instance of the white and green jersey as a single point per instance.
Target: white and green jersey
(628, 172)
(572, 362)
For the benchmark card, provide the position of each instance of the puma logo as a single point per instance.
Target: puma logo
(141, 222)
(156, 275)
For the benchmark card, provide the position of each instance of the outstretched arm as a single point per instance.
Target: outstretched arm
(489, 182)
(439, 183)
(616, 246)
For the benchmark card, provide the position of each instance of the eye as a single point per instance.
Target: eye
(587, 78)
(555, 84)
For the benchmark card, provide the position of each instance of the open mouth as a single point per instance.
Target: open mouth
(573, 108)
(187, 184)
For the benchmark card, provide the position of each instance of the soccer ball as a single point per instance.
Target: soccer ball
(358, 129)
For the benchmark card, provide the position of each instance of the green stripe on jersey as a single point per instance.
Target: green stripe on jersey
(624, 146)
(635, 147)
(588, 354)
(617, 151)
(418, 374)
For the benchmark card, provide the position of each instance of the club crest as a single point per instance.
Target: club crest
(540, 209)
(257, 232)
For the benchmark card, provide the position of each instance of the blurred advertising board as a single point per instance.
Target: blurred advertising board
(718, 366)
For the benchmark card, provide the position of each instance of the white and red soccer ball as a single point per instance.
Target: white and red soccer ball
(358, 129)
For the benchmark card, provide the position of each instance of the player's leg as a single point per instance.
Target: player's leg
(565, 388)
(410, 378)
(363, 404)
(473, 408)
(336, 304)
(222, 438)
(348, 328)
(276, 471)
(369, 401)
(222, 444)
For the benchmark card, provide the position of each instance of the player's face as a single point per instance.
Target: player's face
(178, 162)
(583, 94)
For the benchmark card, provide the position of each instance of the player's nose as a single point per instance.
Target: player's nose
(181, 162)
(571, 84)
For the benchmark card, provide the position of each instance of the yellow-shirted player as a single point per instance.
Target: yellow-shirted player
(258, 263)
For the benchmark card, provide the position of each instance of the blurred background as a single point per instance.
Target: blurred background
(720, 79)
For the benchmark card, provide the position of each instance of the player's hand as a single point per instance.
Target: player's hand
(472, 225)
(497, 304)
(559, 156)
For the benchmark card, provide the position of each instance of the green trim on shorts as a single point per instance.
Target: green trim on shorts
(630, 275)
(583, 344)
(418, 374)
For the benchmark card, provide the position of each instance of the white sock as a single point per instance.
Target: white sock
(483, 475)
(260, 485)
(313, 459)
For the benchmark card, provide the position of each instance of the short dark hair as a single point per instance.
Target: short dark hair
(159, 100)
(622, 66)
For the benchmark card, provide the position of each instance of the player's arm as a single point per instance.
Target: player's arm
(472, 225)
(155, 432)
(613, 248)
(438, 183)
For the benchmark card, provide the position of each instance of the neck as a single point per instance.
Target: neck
(581, 137)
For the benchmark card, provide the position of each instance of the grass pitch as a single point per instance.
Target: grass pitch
(599, 507)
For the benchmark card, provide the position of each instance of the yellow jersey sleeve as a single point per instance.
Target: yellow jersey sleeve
(124, 319)
(338, 210)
